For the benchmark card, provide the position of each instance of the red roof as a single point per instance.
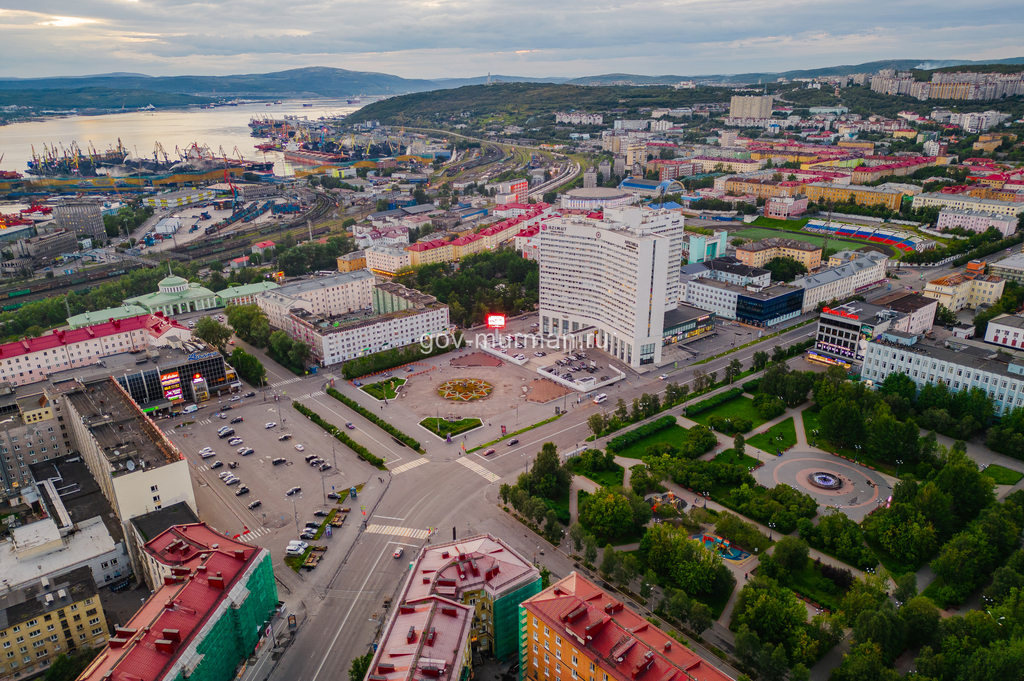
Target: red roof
(463, 240)
(626, 643)
(186, 604)
(427, 245)
(264, 244)
(155, 323)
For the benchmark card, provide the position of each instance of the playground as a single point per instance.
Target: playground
(712, 542)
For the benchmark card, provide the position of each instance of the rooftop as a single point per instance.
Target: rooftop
(683, 313)
(248, 289)
(76, 490)
(155, 324)
(976, 355)
(126, 437)
(98, 316)
(730, 265)
(865, 313)
(1012, 321)
(315, 283)
(597, 193)
(775, 242)
(974, 200)
(905, 301)
(841, 272)
(854, 187)
(31, 601)
(411, 295)
(626, 644)
(90, 540)
(155, 523)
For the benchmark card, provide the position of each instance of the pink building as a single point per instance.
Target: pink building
(977, 221)
(785, 207)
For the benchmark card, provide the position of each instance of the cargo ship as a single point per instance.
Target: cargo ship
(307, 157)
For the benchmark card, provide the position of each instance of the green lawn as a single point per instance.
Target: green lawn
(802, 236)
(736, 408)
(673, 435)
(442, 427)
(386, 389)
(812, 422)
(1001, 475)
(788, 225)
(295, 562)
(729, 456)
(768, 442)
(606, 478)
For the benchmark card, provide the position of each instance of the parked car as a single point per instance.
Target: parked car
(241, 490)
(224, 475)
(307, 535)
(513, 441)
(270, 425)
(236, 398)
(279, 460)
(216, 464)
(208, 455)
(235, 441)
(321, 514)
(255, 504)
(237, 419)
(246, 451)
(300, 448)
(293, 490)
(232, 481)
(233, 464)
(311, 525)
(334, 495)
(204, 450)
(325, 467)
(223, 428)
(227, 433)
(539, 354)
(223, 416)
(663, 377)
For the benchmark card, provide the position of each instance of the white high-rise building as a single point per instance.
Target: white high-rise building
(611, 280)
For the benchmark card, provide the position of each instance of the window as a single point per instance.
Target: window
(35, 633)
(91, 611)
(97, 630)
(558, 640)
(574, 661)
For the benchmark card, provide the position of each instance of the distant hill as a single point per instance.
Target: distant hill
(448, 83)
(96, 98)
(317, 81)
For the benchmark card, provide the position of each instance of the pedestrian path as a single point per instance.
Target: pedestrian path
(253, 534)
(412, 464)
(477, 468)
(289, 381)
(318, 393)
(398, 531)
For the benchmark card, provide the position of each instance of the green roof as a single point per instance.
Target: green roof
(194, 292)
(100, 316)
(247, 290)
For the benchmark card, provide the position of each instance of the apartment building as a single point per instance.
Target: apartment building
(1006, 330)
(209, 615)
(762, 189)
(976, 221)
(785, 207)
(615, 278)
(960, 364)
(575, 631)
(1011, 268)
(759, 253)
(579, 118)
(919, 310)
(460, 598)
(385, 260)
(340, 293)
(965, 290)
(750, 107)
(828, 192)
(841, 282)
(716, 164)
(81, 219)
(350, 262)
(968, 203)
(47, 619)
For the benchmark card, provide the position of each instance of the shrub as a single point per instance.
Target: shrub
(724, 425)
(377, 421)
(712, 402)
(752, 386)
(769, 406)
(389, 359)
(341, 437)
(620, 442)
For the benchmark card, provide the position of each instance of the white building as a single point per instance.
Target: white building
(386, 260)
(1006, 330)
(968, 203)
(337, 294)
(843, 281)
(614, 278)
(715, 296)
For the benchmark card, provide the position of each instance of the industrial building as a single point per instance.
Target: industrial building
(182, 198)
(46, 247)
(460, 598)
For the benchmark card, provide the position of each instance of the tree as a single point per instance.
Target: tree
(69, 667)
(577, 534)
(945, 317)
(700, 619)
(785, 269)
(906, 587)
(609, 562)
(505, 491)
(760, 360)
(647, 582)
(922, 620)
(865, 661)
(597, 423)
(882, 626)
(213, 332)
(739, 446)
(898, 383)
(732, 370)
(589, 549)
(607, 513)
(360, 666)
(779, 354)
(791, 554)
(771, 611)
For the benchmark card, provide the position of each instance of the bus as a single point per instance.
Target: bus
(826, 360)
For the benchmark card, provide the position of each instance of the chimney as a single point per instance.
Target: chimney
(164, 646)
(411, 636)
(240, 554)
(117, 642)
(431, 636)
(385, 667)
(217, 581)
(172, 635)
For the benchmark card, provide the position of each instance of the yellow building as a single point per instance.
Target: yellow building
(55, 615)
(967, 202)
(905, 133)
(468, 245)
(765, 189)
(576, 631)
(855, 144)
(757, 253)
(429, 252)
(824, 192)
(960, 290)
(713, 164)
(356, 260)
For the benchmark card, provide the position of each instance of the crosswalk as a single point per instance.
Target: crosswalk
(204, 422)
(397, 531)
(289, 381)
(253, 534)
(202, 468)
(412, 464)
(318, 393)
(480, 470)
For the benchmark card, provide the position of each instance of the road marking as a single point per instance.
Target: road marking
(318, 393)
(387, 517)
(480, 470)
(397, 531)
(290, 380)
(412, 464)
(202, 469)
(253, 534)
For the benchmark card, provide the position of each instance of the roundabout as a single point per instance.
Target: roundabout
(464, 389)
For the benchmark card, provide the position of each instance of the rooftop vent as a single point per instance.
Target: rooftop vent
(410, 637)
(164, 646)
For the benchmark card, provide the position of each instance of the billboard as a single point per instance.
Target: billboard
(171, 384)
(495, 321)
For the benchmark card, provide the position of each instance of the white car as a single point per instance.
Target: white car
(663, 377)
(204, 450)
(235, 398)
(300, 448)
(235, 441)
(225, 475)
(270, 425)
(208, 455)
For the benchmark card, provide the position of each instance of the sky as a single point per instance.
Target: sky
(463, 38)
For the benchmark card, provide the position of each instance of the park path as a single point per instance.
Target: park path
(578, 482)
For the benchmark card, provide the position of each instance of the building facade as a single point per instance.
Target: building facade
(342, 293)
(831, 193)
(617, 276)
(843, 281)
(176, 296)
(245, 294)
(750, 107)
(919, 310)
(961, 290)
(964, 202)
(350, 262)
(383, 260)
(46, 247)
(48, 619)
(701, 248)
(759, 253)
(1006, 330)
(844, 331)
(785, 207)
(976, 221)
(1011, 268)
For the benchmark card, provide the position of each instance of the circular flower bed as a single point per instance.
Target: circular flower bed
(464, 389)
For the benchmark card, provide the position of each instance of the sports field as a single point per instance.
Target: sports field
(754, 233)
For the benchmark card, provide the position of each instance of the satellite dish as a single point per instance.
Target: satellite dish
(130, 465)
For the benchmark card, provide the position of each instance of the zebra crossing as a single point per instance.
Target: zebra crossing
(480, 470)
(202, 468)
(253, 534)
(398, 531)
(204, 422)
(290, 380)
(318, 393)
(407, 466)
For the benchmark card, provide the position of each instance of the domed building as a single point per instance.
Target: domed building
(176, 295)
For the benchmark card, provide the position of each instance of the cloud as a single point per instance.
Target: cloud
(457, 38)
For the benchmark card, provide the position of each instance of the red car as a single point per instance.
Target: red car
(489, 452)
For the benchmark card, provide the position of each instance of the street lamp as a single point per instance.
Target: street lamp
(857, 456)
(706, 495)
(771, 528)
(899, 462)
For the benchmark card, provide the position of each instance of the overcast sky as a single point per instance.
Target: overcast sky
(463, 38)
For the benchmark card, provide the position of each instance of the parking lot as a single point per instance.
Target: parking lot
(276, 520)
